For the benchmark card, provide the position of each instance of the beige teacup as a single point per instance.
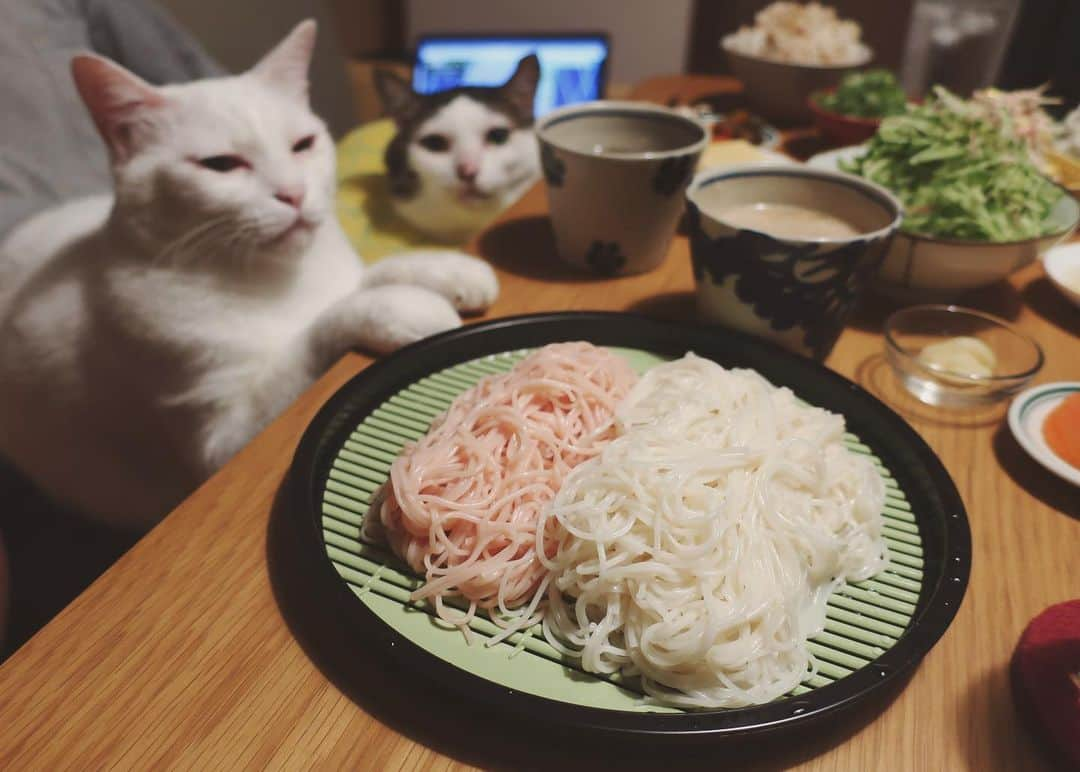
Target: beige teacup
(616, 173)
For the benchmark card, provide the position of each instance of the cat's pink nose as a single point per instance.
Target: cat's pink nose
(466, 171)
(293, 196)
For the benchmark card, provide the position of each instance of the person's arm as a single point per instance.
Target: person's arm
(146, 40)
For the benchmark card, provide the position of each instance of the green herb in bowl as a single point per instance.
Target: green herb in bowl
(866, 94)
(959, 175)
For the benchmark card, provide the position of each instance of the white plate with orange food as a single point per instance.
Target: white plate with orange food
(1045, 420)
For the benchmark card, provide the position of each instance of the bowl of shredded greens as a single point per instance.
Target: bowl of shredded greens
(852, 112)
(976, 208)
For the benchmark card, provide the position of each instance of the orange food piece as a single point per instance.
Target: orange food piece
(1062, 430)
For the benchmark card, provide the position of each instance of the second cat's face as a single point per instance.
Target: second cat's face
(473, 152)
(462, 155)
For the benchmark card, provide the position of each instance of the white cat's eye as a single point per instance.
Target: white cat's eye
(436, 143)
(223, 163)
(304, 144)
(497, 136)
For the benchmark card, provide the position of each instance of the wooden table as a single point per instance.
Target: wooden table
(187, 652)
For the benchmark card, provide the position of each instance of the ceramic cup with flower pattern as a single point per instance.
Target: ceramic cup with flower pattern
(796, 289)
(616, 173)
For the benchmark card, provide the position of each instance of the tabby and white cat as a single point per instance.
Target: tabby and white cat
(145, 337)
(460, 156)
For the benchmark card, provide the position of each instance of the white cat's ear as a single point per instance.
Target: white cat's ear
(286, 66)
(520, 90)
(119, 101)
(398, 98)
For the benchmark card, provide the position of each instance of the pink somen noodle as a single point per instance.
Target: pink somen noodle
(462, 504)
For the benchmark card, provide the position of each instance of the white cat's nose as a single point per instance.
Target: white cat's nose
(292, 195)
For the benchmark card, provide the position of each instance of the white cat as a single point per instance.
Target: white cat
(146, 337)
(460, 156)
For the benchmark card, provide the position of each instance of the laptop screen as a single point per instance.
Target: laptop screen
(572, 68)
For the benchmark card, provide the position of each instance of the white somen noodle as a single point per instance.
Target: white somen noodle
(698, 549)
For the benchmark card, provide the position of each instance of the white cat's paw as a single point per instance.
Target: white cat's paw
(398, 315)
(472, 284)
(467, 282)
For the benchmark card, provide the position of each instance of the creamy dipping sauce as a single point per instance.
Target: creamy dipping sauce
(789, 221)
(1070, 277)
(963, 355)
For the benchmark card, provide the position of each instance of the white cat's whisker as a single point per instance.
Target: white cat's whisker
(246, 239)
(188, 236)
(185, 244)
(223, 236)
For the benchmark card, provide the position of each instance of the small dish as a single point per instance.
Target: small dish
(909, 331)
(736, 124)
(840, 129)
(1062, 266)
(737, 152)
(756, 131)
(1028, 412)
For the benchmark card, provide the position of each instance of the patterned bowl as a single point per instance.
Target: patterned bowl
(615, 174)
(797, 292)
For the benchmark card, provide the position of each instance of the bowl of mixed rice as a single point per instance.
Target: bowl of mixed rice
(791, 51)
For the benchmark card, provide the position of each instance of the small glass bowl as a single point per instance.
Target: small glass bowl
(910, 330)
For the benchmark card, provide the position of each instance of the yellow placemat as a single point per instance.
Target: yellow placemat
(364, 206)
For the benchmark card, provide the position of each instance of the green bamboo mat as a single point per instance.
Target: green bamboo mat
(864, 619)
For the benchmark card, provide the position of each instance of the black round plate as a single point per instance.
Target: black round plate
(933, 497)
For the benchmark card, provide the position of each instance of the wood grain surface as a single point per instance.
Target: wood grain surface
(205, 647)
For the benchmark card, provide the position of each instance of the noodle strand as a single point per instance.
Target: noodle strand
(462, 504)
(699, 548)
